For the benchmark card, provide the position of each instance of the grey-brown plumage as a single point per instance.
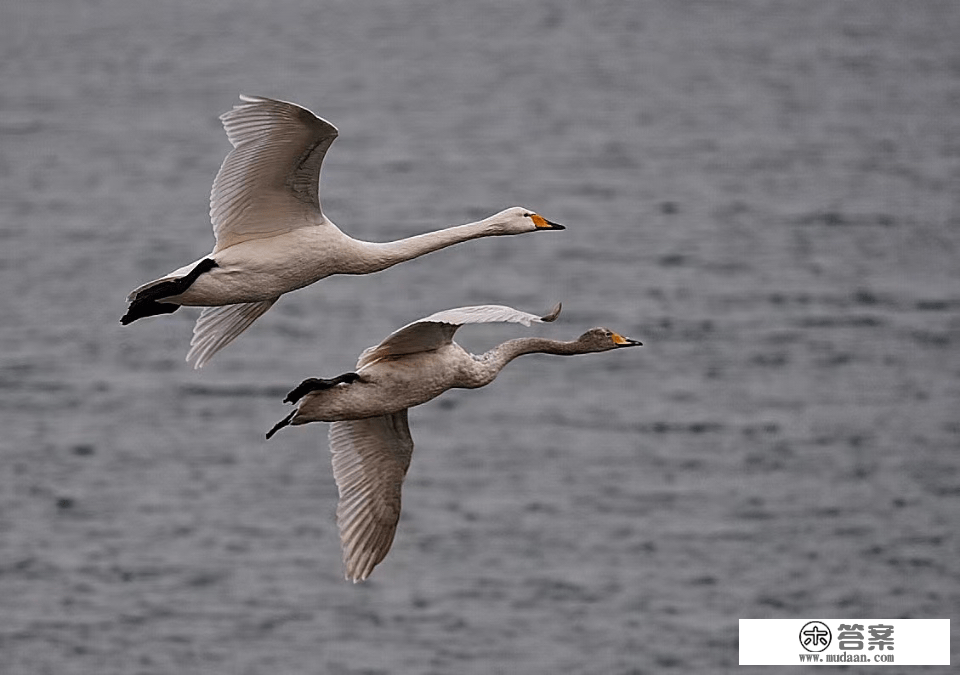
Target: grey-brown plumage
(369, 435)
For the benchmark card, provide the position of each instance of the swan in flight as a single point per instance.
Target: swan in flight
(369, 435)
(271, 234)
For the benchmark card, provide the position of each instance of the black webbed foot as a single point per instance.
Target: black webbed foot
(146, 303)
(317, 384)
(281, 424)
(142, 308)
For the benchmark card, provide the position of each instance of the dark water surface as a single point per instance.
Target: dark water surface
(765, 193)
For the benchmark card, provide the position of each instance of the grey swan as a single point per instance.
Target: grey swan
(369, 436)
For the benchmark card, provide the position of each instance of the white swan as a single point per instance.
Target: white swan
(271, 234)
(370, 439)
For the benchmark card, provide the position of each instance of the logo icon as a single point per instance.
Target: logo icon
(815, 636)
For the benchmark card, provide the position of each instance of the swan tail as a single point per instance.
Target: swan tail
(219, 326)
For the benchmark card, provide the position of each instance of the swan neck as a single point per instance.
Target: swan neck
(505, 353)
(383, 255)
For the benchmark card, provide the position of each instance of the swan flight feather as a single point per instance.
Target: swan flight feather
(271, 178)
(437, 330)
(370, 460)
(217, 327)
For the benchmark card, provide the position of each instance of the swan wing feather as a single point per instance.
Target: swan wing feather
(370, 459)
(269, 183)
(437, 330)
(219, 326)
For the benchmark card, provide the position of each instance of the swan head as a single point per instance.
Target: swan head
(604, 339)
(517, 220)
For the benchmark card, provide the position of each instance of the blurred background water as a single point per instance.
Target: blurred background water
(765, 193)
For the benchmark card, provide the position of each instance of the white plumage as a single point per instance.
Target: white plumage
(271, 234)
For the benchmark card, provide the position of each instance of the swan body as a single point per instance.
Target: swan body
(271, 234)
(370, 437)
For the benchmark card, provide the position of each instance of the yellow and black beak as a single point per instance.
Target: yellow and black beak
(544, 224)
(621, 341)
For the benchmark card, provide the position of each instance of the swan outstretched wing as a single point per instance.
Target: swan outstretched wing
(370, 460)
(436, 330)
(269, 182)
(219, 326)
